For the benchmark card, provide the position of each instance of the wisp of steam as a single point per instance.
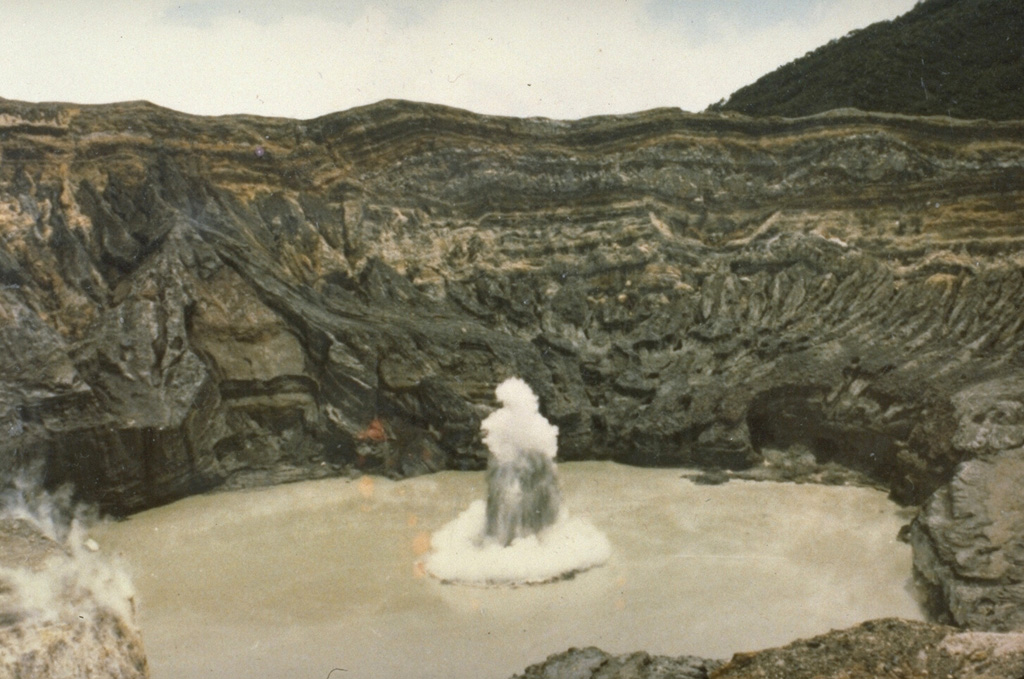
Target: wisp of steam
(75, 581)
(521, 534)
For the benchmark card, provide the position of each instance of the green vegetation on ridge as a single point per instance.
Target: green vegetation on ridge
(961, 58)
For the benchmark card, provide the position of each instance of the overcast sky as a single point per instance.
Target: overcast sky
(303, 58)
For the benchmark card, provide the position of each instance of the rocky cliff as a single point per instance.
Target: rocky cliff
(190, 302)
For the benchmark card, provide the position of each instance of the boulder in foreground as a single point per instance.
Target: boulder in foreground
(877, 648)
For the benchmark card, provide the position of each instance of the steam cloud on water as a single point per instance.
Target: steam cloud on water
(75, 581)
(521, 534)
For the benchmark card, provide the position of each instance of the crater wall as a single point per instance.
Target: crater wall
(191, 302)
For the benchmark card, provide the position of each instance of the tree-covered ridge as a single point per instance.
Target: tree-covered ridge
(961, 58)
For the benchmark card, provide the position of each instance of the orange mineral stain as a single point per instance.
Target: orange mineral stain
(366, 487)
(373, 432)
(421, 543)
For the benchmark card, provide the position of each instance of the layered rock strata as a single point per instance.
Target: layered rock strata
(193, 302)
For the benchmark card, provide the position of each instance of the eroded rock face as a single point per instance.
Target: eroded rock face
(969, 538)
(879, 648)
(103, 648)
(592, 663)
(190, 302)
(886, 648)
(193, 301)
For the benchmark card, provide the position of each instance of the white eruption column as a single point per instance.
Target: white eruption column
(522, 489)
(521, 534)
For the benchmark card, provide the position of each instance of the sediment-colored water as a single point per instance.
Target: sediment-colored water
(299, 580)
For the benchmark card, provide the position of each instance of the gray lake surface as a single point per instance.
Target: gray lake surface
(302, 579)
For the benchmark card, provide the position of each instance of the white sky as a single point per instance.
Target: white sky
(304, 58)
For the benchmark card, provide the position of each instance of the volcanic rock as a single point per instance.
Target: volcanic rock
(969, 538)
(886, 648)
(878, 648)
(189, 303)
(593, 663)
